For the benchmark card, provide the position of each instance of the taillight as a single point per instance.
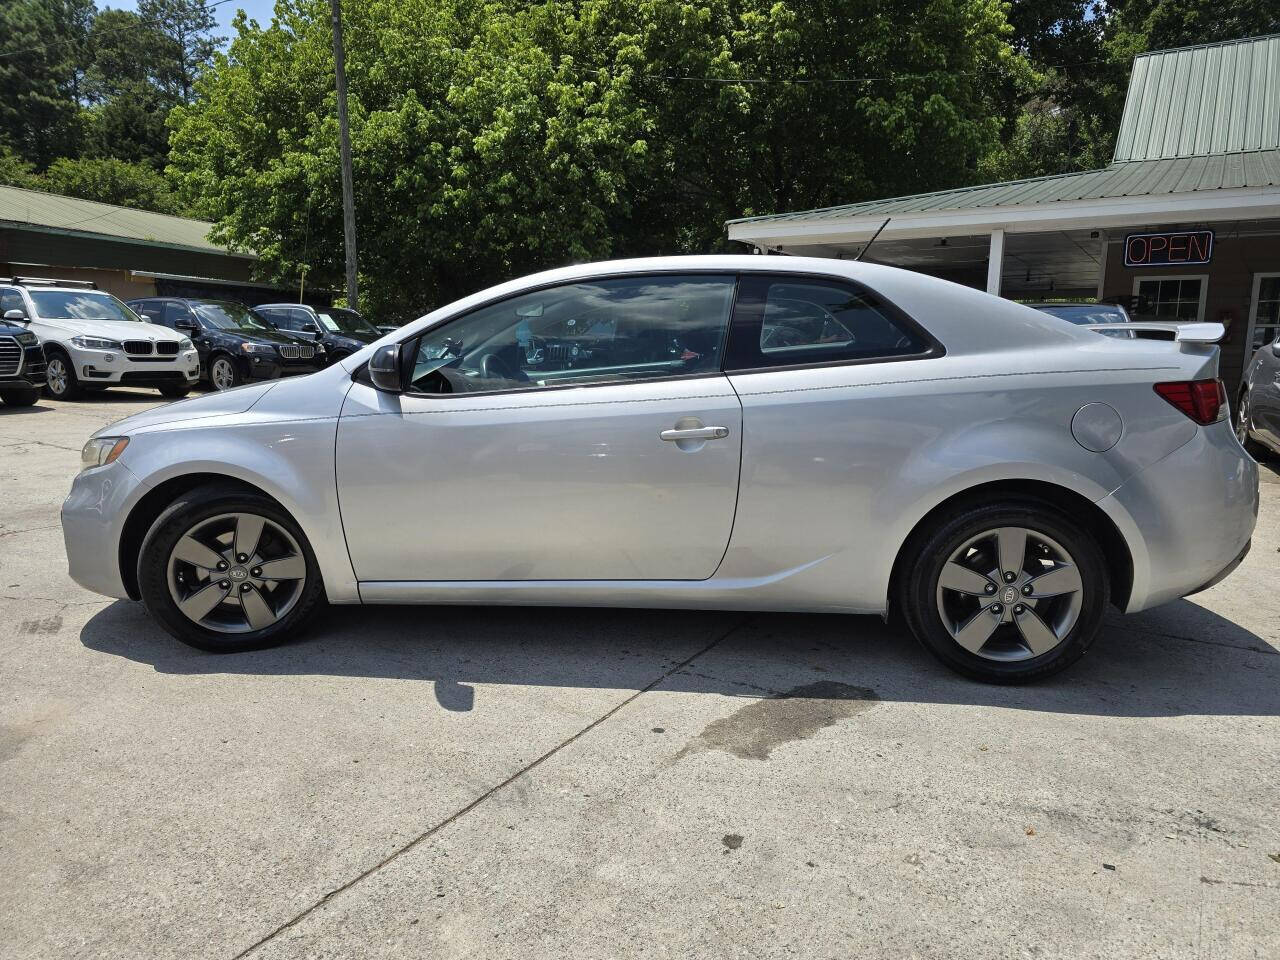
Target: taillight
(1204, 401)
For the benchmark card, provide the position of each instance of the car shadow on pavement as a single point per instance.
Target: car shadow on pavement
(1176, 660)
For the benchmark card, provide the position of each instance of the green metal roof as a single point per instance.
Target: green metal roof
(53, 213)
(1195, 119)
(1216, 98)
(1135, 178)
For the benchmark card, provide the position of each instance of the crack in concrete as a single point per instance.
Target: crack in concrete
(463, 811)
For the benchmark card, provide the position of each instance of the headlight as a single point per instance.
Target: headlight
(96, 343)
(257, 348)
(28, 339)
(102, 450)
(185, 344)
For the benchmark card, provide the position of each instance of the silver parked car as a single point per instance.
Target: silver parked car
(1258, 406)
(748, 432)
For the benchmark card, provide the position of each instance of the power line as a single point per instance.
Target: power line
(140, 23)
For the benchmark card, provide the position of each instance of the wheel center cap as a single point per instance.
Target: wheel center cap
(239, 573)
(1010, 595)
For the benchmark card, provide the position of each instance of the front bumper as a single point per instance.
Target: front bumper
(93, 517)
(1188, 518)
(272, 368)
(30, 373)
(116, 368)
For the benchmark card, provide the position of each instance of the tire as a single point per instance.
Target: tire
(950, 617)
(223, 374)
(166, 577)
(60, 377)
(20, 397)
(174, 393)
(1243, 423)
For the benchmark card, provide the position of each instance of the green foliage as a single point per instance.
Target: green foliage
(38, 113)
(491, 139)
(109, 180)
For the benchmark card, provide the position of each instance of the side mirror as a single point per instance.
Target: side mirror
(385, 370)
(1275, 347)
(308, 328)
(15, 316)
(187, 326)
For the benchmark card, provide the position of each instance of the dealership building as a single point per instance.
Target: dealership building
(1184, 223)
(130, 253)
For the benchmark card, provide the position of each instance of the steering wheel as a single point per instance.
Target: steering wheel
(493, 367)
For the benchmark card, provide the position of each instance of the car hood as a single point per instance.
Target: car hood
(236, 400)
(265, 336)
(350, 341)
(113, 329)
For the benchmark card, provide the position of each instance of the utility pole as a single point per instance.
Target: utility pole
(344, 142)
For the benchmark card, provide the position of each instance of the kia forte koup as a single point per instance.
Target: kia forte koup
(740, 433)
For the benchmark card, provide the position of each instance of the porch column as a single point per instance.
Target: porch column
(995, 261)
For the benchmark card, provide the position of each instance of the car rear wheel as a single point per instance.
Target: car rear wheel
(20, 397)
(223, 374)
(1006, 593)
(1244, 424)
(60, 377)
(226, 570)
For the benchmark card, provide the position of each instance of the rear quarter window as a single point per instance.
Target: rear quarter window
(798, 321)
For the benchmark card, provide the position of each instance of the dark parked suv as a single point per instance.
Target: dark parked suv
(342, 331)
(21, 364)
(234, 344)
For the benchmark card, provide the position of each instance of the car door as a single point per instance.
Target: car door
(579, 432)
(1264, 396)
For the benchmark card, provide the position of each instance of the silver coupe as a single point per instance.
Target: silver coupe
(745, 432)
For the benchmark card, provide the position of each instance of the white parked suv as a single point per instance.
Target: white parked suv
(93, 341)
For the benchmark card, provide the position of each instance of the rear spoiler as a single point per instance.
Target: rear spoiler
(1180, 332)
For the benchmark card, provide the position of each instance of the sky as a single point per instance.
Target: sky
(259, 10)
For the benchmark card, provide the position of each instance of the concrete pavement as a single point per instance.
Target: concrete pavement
(470, 782)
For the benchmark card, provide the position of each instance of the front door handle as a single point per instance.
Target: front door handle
(695, 433)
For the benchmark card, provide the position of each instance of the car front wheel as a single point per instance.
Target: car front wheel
(223, 374)
(1006, 593)
(225, 569)
(60, 378)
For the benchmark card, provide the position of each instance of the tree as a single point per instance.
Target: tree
(39, 115)
(109, 180)
(188, 43)
(491, 139)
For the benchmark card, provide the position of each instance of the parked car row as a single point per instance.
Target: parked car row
(68, 338)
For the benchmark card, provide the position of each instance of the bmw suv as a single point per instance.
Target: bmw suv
(340, 331)
(21, 358)
(235, 345)
(93, 341)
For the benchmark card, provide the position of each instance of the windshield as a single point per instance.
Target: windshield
(226, 315)
(80, 305)
(1083, 313)
(342, 320)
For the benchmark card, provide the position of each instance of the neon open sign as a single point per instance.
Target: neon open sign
(1168, 249)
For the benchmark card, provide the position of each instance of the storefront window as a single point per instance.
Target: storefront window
(1169, 298)
(1266, 318)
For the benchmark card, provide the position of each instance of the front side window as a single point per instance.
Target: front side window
(288, 318)
(151, 311)
(596, 332)
(784, 321)
(80, 305)
(11, 299)
(1169, 299)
